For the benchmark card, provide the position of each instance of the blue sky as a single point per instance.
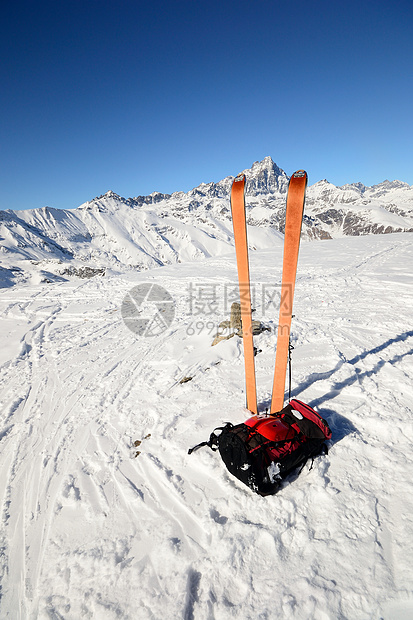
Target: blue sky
(155, 96)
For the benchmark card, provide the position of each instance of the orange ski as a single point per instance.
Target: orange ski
(293, 221)
(241, 249)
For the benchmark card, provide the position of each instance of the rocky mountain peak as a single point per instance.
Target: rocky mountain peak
(266, 177)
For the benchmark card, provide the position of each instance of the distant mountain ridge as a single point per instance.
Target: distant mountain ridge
(113, 232)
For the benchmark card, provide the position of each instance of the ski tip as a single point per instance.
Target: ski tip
(299, 174)
(240, 177)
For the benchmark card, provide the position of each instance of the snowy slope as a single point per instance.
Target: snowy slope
(89, 530)
(115, 233)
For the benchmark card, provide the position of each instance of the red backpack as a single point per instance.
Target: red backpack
(265, 449)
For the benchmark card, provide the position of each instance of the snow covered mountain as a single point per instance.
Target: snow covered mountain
(112, 232)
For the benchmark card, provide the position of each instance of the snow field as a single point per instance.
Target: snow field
(91, 529)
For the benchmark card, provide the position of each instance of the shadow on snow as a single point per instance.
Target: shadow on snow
(358, 374)
(340, 425)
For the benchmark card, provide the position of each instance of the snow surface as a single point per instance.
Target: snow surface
(91, 529)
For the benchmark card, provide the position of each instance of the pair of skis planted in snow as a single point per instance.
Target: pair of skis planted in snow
(293, 221)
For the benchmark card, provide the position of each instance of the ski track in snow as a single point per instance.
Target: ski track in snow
(91, 529)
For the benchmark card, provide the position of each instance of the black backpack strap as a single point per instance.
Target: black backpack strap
(213, 439)
(200, 445)
(323, 450)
